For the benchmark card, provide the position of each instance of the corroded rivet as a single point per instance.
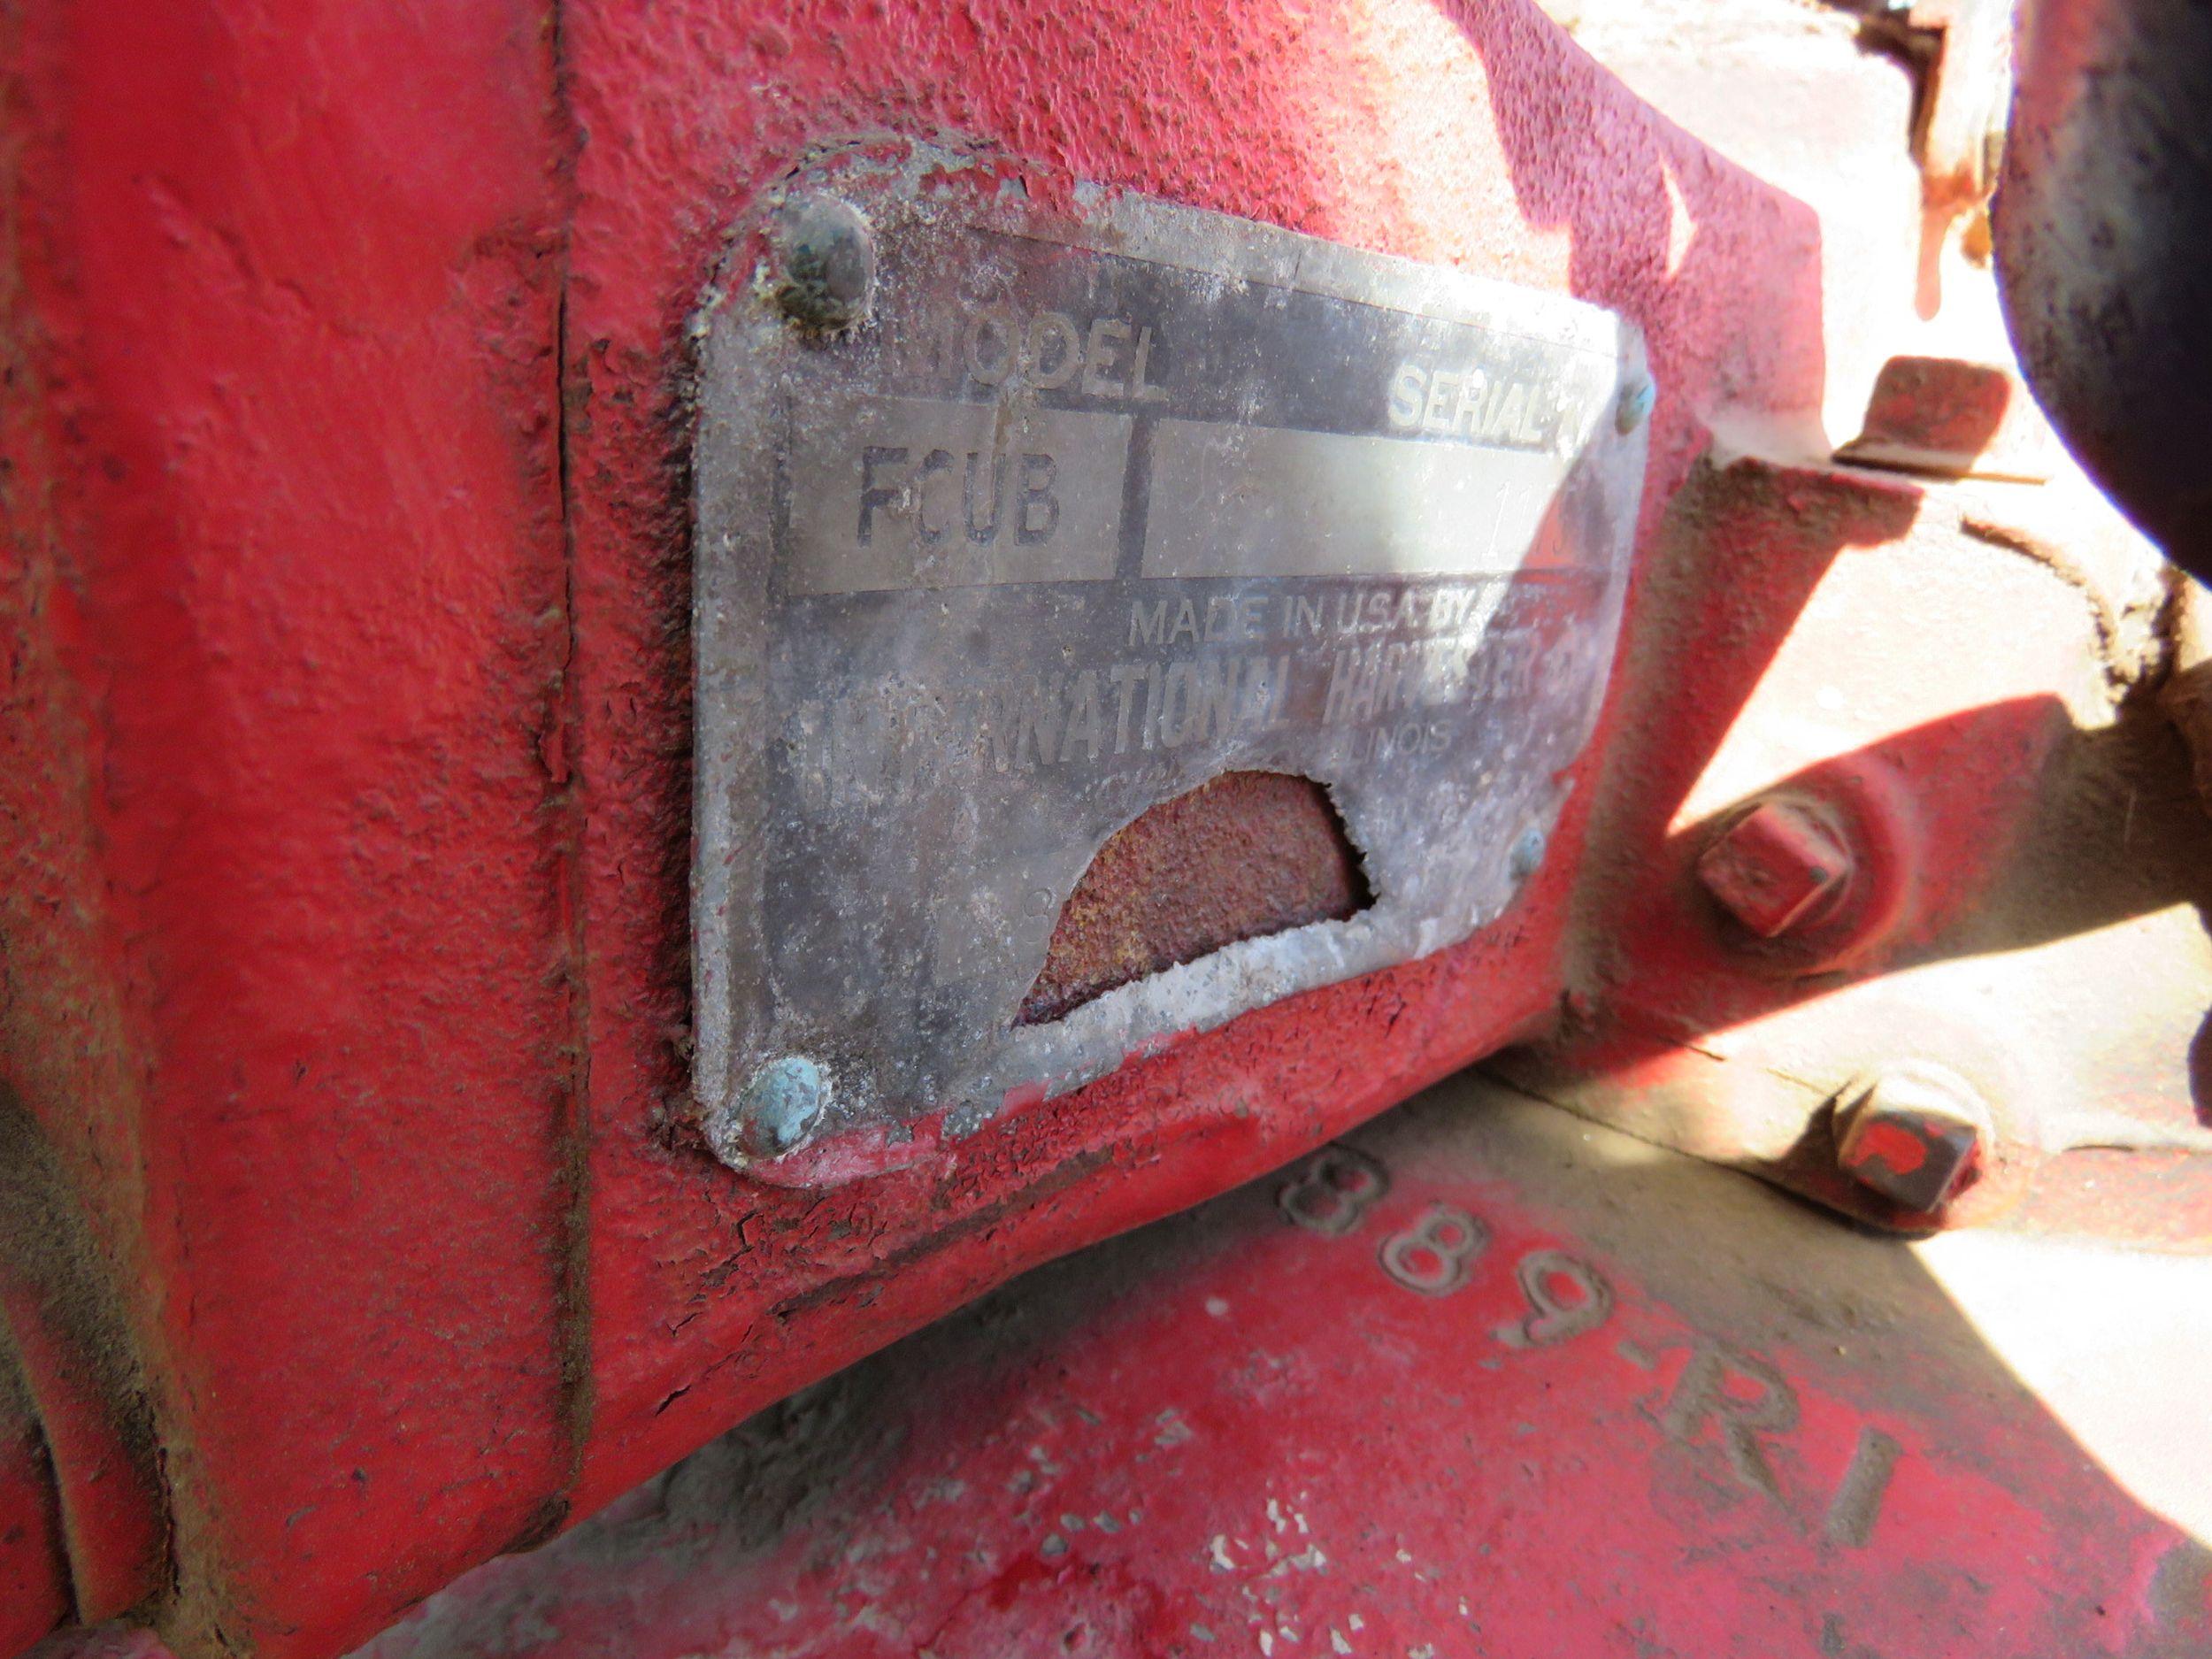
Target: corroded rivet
(829, 264)
(776, 1112)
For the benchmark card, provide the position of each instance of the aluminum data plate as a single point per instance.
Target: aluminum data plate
(1083, 509)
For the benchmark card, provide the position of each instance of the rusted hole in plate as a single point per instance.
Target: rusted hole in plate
(1242, 856)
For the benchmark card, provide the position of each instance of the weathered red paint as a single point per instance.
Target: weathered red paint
(34, 1567)
(1232, 112)
(348, 725)
(2017, 807)
(1651, 1410)
(285, 553)
(90, 1447)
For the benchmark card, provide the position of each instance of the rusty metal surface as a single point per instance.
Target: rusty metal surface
(1243, 855)
(1966, 47)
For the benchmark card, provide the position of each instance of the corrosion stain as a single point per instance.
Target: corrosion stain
(1240, 856)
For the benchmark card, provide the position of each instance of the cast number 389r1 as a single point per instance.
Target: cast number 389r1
(1436, 1253)
(1742, 1400)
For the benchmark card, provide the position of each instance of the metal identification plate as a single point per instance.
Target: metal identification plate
(1079, 511)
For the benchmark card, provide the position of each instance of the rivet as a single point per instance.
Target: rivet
(828, 271)
(776, 1112)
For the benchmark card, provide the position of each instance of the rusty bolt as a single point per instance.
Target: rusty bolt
(1911, 1133)
(829, 264)
(1778, 868)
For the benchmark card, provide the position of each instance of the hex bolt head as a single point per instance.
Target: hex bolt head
(777, 1111)
(1777, 869)
(828, 271)
(1911, 1133)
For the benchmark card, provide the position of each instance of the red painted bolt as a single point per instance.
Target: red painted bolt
(1912, 1133)
(1778, 868)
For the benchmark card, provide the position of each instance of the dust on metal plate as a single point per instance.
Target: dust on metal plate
(1088, 507)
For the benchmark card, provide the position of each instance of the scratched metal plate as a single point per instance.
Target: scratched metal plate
(1090, 508)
